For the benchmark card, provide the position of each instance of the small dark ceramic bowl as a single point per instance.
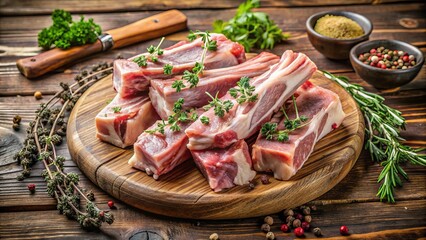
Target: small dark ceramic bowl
(334, 48)
(386, 78)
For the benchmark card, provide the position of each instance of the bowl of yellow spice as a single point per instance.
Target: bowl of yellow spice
(334, 33)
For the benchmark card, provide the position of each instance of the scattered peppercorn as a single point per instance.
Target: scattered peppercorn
(299, 216)
(265, 227)
(269, 220)
(284, 228)
(288, 212)
(299, 232)
(31, 187)
(270, 236)
(344, 230)
(214, 236)
(305, 226)
(306, 210)
(290, 220)
(38, 95)
(387, 59)
(297, 223)
(313, 208)
(17, 119)
(111, 204)
(264, 179)
(317, 232)
(15, 126)
(101, 214)
(91, 196)
(308, 218)
(251, 185)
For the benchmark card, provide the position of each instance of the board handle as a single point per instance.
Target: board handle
(148, 28)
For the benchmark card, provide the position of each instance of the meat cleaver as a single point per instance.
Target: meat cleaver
(148, 28)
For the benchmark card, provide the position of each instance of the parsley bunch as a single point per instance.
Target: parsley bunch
(251, 29)
(64, 33)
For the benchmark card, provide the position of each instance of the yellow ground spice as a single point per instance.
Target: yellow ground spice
(338, 27)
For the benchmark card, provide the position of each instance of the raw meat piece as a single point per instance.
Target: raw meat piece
(129, 79)
(157, 153)
(324, 111)
(225, 167)
(163, 96)
(122, 128)
(243, 120)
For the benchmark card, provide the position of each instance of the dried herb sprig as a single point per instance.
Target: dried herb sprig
(383, 140)
(270, 130)
(154, 52)
(43, 134)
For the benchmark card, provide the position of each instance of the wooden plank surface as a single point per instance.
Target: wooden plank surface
(352, 202)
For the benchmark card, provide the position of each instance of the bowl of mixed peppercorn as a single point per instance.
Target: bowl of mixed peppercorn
(386, 64)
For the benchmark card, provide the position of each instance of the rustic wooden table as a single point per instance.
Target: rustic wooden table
(352, 202)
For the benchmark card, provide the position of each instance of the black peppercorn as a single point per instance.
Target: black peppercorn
(290, 220)
(264, 179)
(297, 223)
(317, 232)
(265, 227)
(306, 211)
(269, 220)
(288, 212)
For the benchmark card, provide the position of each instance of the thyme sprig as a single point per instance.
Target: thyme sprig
(270, 130)
(154, 52)
(383, 140)
(220, 107)
(244, 91)
(174, 120)
(192, 77)
(44, 134)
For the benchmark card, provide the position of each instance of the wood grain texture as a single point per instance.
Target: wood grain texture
(185, 193)
(26, 7)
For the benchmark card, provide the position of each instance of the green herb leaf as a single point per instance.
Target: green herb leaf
(168, 69)
(205, 120)
(64, 33)
(178, 85)
(251, 29)
(244, 92)
(116, 109)
(141, 61)
(220, 107)
(382, 137)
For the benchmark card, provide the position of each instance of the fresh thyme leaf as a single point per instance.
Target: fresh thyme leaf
(154, 52)
(116, 109)
(168, 69)
(64, 33)
(205, 120)
(244, 92)
(159, 128)
(178, 84)
(251, 29)
(141, 61)
(270, 130)
(192, 77)
(220, 107)
(382, 137)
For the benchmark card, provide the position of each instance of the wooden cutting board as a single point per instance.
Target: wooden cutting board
(185, 193)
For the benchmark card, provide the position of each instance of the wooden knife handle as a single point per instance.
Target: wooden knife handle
(148, 28)
(47, 61)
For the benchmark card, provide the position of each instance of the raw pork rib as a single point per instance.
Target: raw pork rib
(157, 153)
(243, 120)
(324, 111)
(225, 167)
(163, 96)
(123, 128)
(129, 79)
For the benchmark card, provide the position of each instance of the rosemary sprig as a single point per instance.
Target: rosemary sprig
(270, 130)
(192, 77)
(244, 92)
(44, 133)
(220, 107)
(383, 140)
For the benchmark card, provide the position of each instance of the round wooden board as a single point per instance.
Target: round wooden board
(185, 193)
